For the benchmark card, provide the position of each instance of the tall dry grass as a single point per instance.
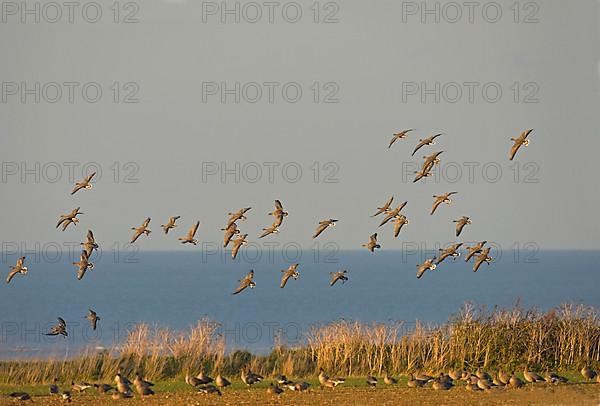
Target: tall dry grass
(565, 339)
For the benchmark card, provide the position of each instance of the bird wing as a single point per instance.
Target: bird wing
(146, 222)
(478, 261)
(373, 238)
(14, 270)
(62, 220)
(459, 226)
(235, 249)
(20, 262)
(320, 229)
(278, 205)
(77, 188)
(90, 176)
(394, 138)
(61, 322)
(90, 237)
(287, 275)
(136, 235)
(266, 232)
(437, 202)
(193, 230)
(387, 218)
(244, 283)
(514, 149)
(419, 145)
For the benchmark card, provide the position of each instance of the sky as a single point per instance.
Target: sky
(167, 136)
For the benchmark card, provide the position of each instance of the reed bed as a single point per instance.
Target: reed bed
(565, 338)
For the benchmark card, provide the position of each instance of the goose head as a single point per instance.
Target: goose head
(526, 142)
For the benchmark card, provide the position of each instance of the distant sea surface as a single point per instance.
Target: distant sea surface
(176, 289)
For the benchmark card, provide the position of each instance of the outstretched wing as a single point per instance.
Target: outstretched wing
(14, 270)
(287, 275)
(320, 229)
(136, 235)
(435, 205)
(77, 188)
(244, 283)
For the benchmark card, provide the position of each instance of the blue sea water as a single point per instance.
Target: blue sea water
(176, 289)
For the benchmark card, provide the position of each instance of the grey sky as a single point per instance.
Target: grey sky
(368, 54)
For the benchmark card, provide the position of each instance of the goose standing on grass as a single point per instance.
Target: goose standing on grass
(84, 184)
(83, 265)
(209, 390)
(553, 377)
(170, 224)
(245, 283)
(238, 215)
(142, 387)
(482, 257)
(19, 268)
(414, 382)
(203, 378)
(451, 251)
(192, 380)
(399, 222)
(123, 384)
(103, 387)
(372, 244)
(504, 377)
(230, 231)
(20, 396)
(475, 249)
(371, 381)
(389, 380)
(323, 225)
(221, 381)
(66, 396)
(399, 136)
(531, 377)
(274, 389)
(90, 244)
(291, 272)
(59, 329)
(143, 229)
(515, 382)
(69, 218)
(338, 276)
(445, 198)
(390, 214)
(237, 244)
(249, 377)
(328, 382)
(520, 140)
(298, 386)
(93, 318)
(428, 265)
(426, 141)
(588, 373)
(461, 223)
(385, 208)
(189, 238)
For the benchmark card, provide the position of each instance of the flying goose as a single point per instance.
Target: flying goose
(142, 386)
(385, 208)
(323, 225)
(83, 265)
(428, 265)
(422, 173)
(431, 161)
(238, 215)
(399, 221)
(289, 273)
(392, 213)
(338, 276)
(398, 136)
(143, 229)
(445, 198)
(170, 224)
(17, 269)
(90, 243)
(482, 257)
(451, 251)
(273, 229)
(246, 282)
(59, 328)
(372, 244)
(84, 184)
(237, 244)
(520, 140)
(93, 318)
(278, 213)
(189, 238)
(221, 381)
(426, 141)
(230, 231)
(461, 223)
(70, 218)
(475, 249)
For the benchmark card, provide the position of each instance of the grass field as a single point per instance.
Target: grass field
(354, 391)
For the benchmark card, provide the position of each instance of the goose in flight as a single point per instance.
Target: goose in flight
(58, 329)
(461, 223)
(372, 244)
(399, 222)
(278, 213)
(445, 198)
(475, 249)
(520, 140)
(70, 218)
(143, 229)
(238, 215)
(230, 231)
(83, 265)
(338, 276)
(237, 244)
(323, 225)
(385, 208)
(189, 238)
(482, 257)
(451, 251)
(291, 272)
(392, 213)
(398, 136)
(431, 160)
(428, 265)
(93, 318)
(245, 283)
(170, 224)
(84, 184)
(90, 243)
(272, 229)
(426, 141)
(17, 269)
